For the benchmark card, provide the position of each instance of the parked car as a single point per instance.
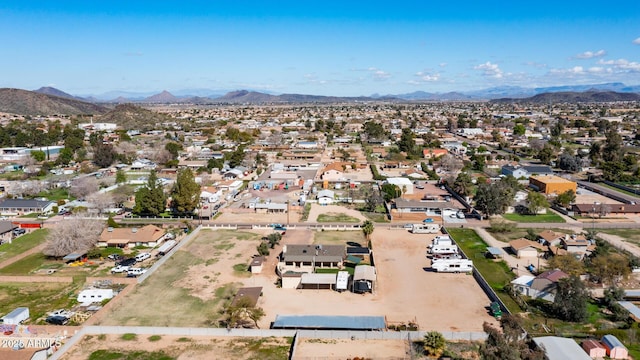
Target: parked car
(420, 187)
(127, 262)
(60, 312)
(57, 320)
(427, 220)
(115, 257)
(18, 232)
(135, 272)
(142, 257)
(119, 269)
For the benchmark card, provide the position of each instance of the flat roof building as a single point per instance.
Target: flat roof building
(551, 184)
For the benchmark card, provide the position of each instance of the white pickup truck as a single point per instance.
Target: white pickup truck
(119, 269)
(135, 272)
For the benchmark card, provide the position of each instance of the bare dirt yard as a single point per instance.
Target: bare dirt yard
(317, 210)
(349, 349)
(200, 278)
(180, 348)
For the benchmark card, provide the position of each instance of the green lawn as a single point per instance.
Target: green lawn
(337, 218)
(22, 244)
(497, 273)
(518, 233)
(56, 194)
(40, 298)
(375, 217)
(542, 218)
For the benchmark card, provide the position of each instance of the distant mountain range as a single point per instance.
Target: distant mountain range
(24, 102)
(573, 97)
(49, 100)
(206, 96)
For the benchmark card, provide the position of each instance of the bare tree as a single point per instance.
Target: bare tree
(29, 188)
(127, 149)
(100, 201)
(161, 156)
(450, 163)
(83, 186)
(122, 194)
(73, 235)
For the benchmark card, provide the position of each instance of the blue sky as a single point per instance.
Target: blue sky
(346, 48)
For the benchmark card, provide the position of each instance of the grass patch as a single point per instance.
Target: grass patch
(376, 217)
(23, 243)
(154, 338)
(497, 273)
(56, 194)
(241, 270)
(630, 235)
(336, 218)
(349, 269)
(40, 298)
(261, 348)
(339, 237)
(620, 190)
(541, 218)
(29, 216)
(129, 355)
(129, 337)
(26, 265)
(187, 306)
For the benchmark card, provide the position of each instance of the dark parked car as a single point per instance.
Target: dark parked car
(127, 262)
(57, 320)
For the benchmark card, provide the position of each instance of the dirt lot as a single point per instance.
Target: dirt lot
(185, 348)
(349, 349)
(198, 279)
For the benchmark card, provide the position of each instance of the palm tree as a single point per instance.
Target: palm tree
(367, 229)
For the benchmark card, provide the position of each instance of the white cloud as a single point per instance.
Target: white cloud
(621, 65)
(428, 77)
(576, 70)
(590, 54)
(490, 70)
(636, 41)
(378, 75)
(443, 64)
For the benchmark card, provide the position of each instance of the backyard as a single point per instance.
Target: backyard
(40, 298)
(337, 218)
(540, 218)
(497, 273)
(22, 244)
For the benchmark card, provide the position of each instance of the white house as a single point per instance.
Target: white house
(404, 184)
(143, 164)
(326, 197)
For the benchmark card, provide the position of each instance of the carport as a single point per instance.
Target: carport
(364, 278)
(329, 322)
(318, 281)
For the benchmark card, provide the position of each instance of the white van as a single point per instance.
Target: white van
(142, 257)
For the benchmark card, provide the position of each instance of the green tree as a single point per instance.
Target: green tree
(373, 130)
(173, 148)
(609, 268)
(566, 263)
(571, 299)
(121, 177)
(407, 143)
(367, 229)
(494, 198)
(566, 198)
(463, 184)
(263, 249)
(65, 156)
(104, 155)
(185, 194)
(390, 192)
(536, 202)
(38, 155)
(150, 199)
(433, 343)
(546, 154)
(508, 344)
(519, 129)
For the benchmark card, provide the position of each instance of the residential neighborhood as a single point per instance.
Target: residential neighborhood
(347, 208)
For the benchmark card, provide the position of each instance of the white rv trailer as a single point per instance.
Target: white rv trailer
(166, 247)
(443, 249)
(441, 240)
(425, 228)
(453, 265)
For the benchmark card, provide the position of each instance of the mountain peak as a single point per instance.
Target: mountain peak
(48, 90)
(163, 97)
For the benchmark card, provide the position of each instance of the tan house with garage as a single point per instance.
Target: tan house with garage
(525, 248)
(147, 236)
